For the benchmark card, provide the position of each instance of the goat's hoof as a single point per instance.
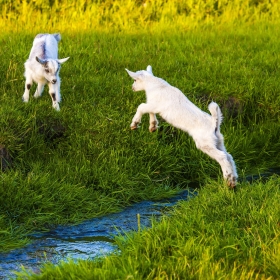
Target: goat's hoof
(231, 185)
(153, 129)
(56, 107)
(153, 126)
(231, 181)
(24, 100)
(134, 125)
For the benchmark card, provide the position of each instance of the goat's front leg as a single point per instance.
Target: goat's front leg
(153, 123)
(54, 91)
(142, 109)
(28, 84)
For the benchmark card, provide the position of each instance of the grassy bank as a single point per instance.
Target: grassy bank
(217, 235)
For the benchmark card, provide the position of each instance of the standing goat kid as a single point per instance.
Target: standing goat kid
(43, 67)
(173, 106)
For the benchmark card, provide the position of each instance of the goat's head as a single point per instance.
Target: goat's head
(51, 68)
(139, 78)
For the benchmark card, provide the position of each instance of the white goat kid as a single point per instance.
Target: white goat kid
(43, 67)
(173, 106)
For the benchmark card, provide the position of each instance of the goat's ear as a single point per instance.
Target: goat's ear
(62, 60)
(149, 69)
(41, 61)
(132, 74)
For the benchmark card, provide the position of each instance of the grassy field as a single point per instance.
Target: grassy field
(84, 161)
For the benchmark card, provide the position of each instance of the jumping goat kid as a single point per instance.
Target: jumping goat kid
(173, 106)
(43, 67)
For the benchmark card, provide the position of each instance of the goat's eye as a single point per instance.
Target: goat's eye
(134, 80)
(47, 70)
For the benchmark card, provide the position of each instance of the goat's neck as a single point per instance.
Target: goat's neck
(155, 83)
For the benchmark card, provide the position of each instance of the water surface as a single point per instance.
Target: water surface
(87, 240)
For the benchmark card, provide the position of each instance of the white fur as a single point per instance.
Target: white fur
(173, 106)
(42, 67)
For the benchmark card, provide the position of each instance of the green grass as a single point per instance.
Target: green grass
(84, 161)
(218, 234)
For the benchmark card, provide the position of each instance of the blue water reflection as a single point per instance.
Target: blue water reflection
(87, 240)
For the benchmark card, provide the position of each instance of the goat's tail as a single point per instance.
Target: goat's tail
(217, 116)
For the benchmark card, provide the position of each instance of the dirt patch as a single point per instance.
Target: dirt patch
(53, 131)
(231, 106)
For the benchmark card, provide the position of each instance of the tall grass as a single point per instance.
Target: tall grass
(131, 15)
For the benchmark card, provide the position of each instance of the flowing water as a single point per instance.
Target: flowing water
(87, 240)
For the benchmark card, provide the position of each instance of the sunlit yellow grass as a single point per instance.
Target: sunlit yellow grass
(131, 15)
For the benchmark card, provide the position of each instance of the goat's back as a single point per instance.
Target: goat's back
(174, 106)
(45, 46)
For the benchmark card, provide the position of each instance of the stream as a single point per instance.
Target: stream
(87, 240)
(92, 238)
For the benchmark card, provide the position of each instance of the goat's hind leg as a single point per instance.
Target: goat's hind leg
(223, 158)
(233, 176)
(221, 146)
